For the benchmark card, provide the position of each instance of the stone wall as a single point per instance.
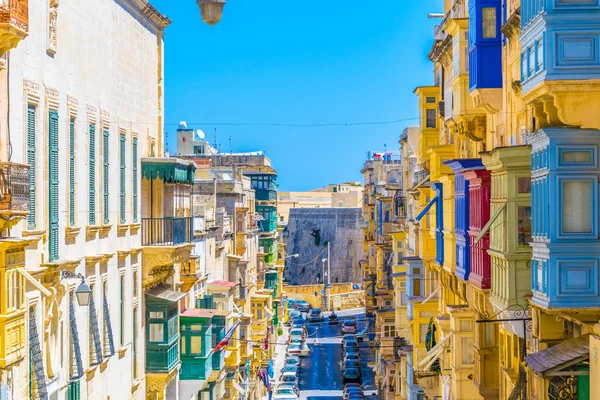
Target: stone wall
(340, 227)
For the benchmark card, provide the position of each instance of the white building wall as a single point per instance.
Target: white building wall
(103, 69)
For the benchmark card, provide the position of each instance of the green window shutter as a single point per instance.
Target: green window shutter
(134, 169)
(72, 172)
(105, 174)
(92, 166)
(122, 178)
(53, 172)
(31, 162)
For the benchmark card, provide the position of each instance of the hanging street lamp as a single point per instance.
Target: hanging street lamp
(83, 291)
(211, 10)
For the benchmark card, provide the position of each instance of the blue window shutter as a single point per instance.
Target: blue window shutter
(134, 169)
(37, 380)
(92, 166)
(53, 171)
(72, 172)
(31, 162)
(105, 148)
(122, 178)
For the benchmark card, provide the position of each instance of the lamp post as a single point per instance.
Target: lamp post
(83, 291)
(211, 10)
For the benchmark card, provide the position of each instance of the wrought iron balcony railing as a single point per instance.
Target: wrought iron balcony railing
(167, 231)
(14, 187)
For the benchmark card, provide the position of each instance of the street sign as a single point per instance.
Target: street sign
(322, 291)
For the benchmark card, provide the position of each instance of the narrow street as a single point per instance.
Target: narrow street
(321, 374)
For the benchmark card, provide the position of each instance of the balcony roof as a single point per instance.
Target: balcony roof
(565, 354)
(223, 283)
(162, 292)
(170, 170)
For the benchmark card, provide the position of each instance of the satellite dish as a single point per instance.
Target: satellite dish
(182, 124)
(200, 134)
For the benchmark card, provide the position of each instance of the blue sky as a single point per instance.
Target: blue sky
(299, 62)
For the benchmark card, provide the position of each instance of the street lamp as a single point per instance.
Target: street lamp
(291, 256)
(83, 291)
(211, 10)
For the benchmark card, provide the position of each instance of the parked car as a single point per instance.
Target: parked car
(296, 340)
(292, 314)
(349, 327)
(352, 356)
(289, 377)
(297, 332)
(363, 335)
(351, 347)
(293, 360)
(352, 389)
(356, 396)
(351, 341)
(302, 305)
(351, 364)
(298, 322)
(290, 368)
(288, 386)
(295, 349)
(352, 375)
(315, 315)
(285, 391)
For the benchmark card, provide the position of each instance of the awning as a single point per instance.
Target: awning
(435, 351)
(240, 389)
(426, 209)
(163, 292)
(487, 226)
(432, 295)
(565, 354)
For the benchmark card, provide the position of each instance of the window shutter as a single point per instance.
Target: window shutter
(134, 162)
(53, 169)
(105, 174)
(72, 172)
(31, 162)
(95, 342)
(92, 166)
(122, 179)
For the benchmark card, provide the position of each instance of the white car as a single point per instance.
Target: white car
(296, 333)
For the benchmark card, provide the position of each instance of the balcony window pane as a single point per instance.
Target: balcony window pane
(195, 345)
(157, 333)
(423, 332)
(156, 315)
(488, 22)
(431, 117)
(577, 206)
(467, 350)
(430, 100)
(576, 157)
(524, 184)
(524, 225)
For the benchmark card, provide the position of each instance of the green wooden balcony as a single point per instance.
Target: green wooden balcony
(266, 195)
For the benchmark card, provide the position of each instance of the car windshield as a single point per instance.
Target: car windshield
(285, 391)
(289, 378)
(292, 361)
(295, 346)
(296, 332)
(350, 323)
(290, 368)
(316, 310)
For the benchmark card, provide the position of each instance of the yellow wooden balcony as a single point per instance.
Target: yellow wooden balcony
(240, 243)
(189, 273)
(14, 23)
(12, 301)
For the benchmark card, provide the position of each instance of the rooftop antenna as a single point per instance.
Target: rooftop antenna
(385, 147)
(215, 135)
(230, 147)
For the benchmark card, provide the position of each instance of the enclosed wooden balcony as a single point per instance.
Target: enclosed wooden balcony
(14, 193)
(14, 23)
